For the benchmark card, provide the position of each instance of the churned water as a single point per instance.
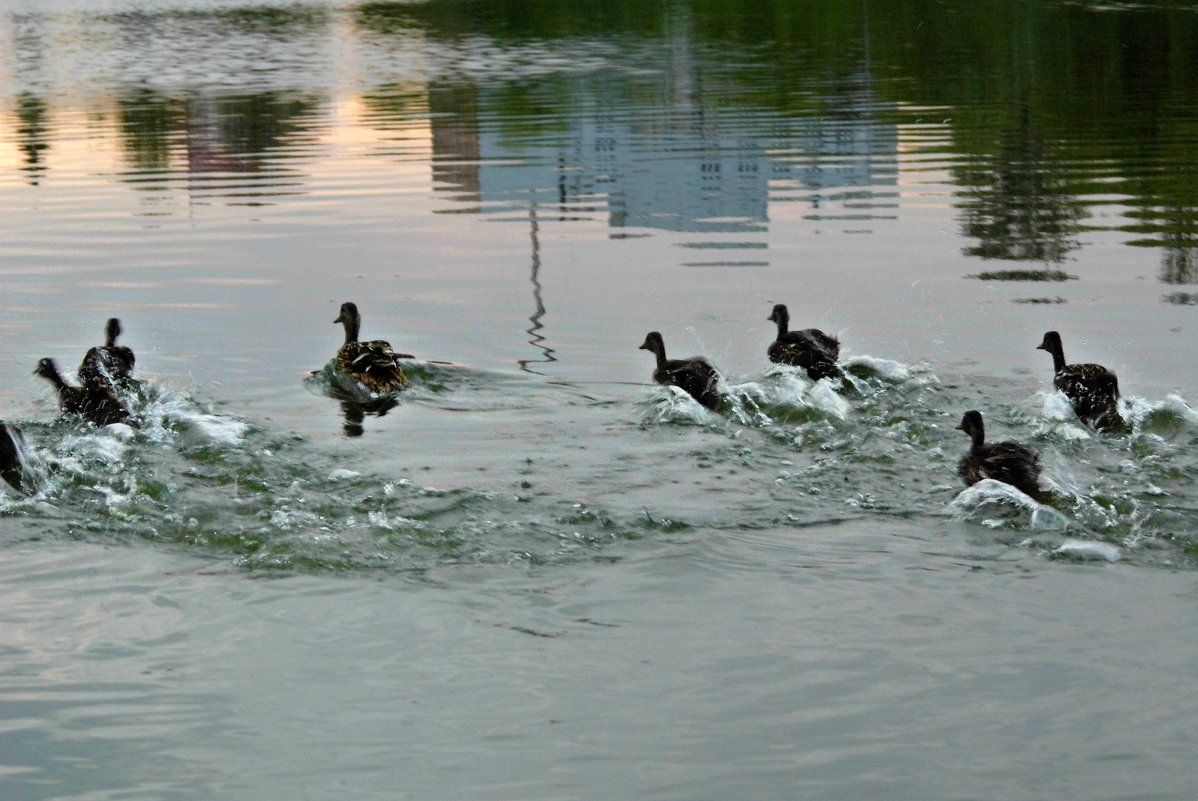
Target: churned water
(534, 573)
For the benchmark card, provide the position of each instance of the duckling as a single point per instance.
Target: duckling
(109, 363)
(372, 363)
(94, 402)
(1091, 388)
(695, 375)
(811, 349)
(12, 448)
(1008, 462)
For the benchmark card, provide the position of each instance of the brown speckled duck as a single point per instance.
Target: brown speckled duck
(109, 363)
(1008, 462)
(94, 402)
(695, 375)
(1091, 388)
(811, 349)
(12, 448)
(371, 363)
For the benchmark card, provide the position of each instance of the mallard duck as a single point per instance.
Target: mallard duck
(1091, 388)
(109, 363)
(695, 375)
(811, 349)
(94, 402)
(371, 363)
(12, 449)
(1008, 462)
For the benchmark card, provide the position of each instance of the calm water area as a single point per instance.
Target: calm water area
(537, 574)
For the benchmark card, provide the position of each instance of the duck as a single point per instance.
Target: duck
(96, 403)
(1091, 388)
(371, 363)
(811, 349)
(109, 363)
(1008, 462)
(696, 376)
(12, 461)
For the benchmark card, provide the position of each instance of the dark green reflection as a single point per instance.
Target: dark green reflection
(32, 133)
(1042, 110)
(238, 134)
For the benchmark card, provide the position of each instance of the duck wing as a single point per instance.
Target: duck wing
(811, 349)
(374, 364)
(696, 376)
(1091, 388)
(95, 403)
(814, 339)
(107, 364)
(1014, 464)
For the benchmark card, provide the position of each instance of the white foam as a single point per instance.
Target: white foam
(672, 405)
(1057, 411)
(825, 398)
(107, 444)
(784, 385)
(1137, 410)
(1087, 549)
(988, 492)
(883, 368)
(341, 474)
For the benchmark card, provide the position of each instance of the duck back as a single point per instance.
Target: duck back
(698, 378)
(108, 364)
(1008, 462)
(1094, 392)
(810, 349)
(374, 364)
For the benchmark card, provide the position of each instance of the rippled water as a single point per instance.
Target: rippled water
(536, 574)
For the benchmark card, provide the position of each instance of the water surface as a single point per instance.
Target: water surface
(538, 575)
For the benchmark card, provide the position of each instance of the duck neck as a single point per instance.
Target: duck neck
(55, 378)
(351, 329)
(783, 326)
(1058, 357)
(658, 349)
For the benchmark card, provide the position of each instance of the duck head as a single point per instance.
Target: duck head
(781, 316)
(47, 369)
(112, 331)
(971, 423)
(1052, 344)
(653, 342)
(352, 321)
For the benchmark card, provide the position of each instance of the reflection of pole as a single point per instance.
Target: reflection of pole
(535, 319)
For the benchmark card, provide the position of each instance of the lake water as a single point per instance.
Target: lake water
(539, 575)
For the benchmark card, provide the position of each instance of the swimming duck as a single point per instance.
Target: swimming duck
(1091, 388)
(372, 363)
(109, 363)
(695, 375)
(1008, 462)
(12, 446)
(811, 349)
(94, 402)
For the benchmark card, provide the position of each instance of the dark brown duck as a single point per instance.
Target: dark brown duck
(109, 363)
(1091, 388)
(12, 446)
(371, 363)
(810, 348)
(698, 378)
(1008, 462)
(94, 402)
